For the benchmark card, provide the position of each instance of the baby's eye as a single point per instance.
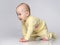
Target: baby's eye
(18, 14)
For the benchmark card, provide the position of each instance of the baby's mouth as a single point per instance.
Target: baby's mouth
(20, 19)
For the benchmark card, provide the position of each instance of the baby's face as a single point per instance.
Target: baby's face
(22, 12)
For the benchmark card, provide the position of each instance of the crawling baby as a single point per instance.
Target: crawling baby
(33, 28)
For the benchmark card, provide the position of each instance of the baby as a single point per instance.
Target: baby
(32, 27)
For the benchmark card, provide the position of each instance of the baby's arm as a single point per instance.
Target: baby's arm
(27, 35)
(23, 30)
(30, 28)
(29, 31)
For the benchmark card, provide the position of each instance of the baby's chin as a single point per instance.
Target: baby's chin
(23, 20)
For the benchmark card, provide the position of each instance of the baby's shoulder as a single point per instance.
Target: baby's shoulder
(33, 19)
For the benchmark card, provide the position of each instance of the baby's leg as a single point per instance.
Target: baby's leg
(43, 34)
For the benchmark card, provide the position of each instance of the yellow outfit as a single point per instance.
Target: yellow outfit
(33, 27)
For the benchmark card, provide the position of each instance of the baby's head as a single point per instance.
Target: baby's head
(23, 11)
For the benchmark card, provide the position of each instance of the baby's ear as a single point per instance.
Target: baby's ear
(27, 13)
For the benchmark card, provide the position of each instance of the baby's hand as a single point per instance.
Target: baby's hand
(22, 40)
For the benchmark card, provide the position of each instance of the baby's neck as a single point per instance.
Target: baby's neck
(26, 19)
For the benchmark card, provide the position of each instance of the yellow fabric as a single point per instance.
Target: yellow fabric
(33, 26)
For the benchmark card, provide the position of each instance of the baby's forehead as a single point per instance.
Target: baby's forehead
(23, 6)
(22, 9)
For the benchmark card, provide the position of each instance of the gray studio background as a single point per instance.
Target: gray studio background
(10, 26)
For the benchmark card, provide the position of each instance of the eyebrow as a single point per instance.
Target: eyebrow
(18, 13)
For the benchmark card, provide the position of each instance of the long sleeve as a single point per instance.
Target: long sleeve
(29, 32)
(23, 29)
(30, 29)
